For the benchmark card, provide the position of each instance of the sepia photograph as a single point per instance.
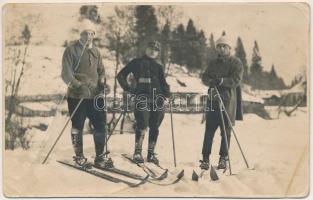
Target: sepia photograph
(134, 99)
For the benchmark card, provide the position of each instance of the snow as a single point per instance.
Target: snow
(276, 149)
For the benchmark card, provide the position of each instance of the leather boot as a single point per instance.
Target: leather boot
(137, 157)
(151, 157)
(99, 140)
(77, 142)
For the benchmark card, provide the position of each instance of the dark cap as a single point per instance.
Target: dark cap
(154, 45)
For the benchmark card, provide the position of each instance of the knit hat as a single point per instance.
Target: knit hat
(87, 25)
(223, 40)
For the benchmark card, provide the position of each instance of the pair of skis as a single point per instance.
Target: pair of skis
(157, 177)
(133, 179)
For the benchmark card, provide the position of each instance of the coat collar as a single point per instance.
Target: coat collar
(92, 50)
(223, 58)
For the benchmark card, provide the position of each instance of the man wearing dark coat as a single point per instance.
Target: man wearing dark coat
(83, 72)
(225, 73)
(150, 83)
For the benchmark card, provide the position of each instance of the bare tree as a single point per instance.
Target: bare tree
(13, 129)
(168, 14)
(120, 38)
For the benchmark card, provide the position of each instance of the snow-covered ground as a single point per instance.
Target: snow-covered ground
(277, 150)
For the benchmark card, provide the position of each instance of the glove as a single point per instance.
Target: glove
(216, 82)
(84, 91)
(101, 81)
(75, 84)
(91, 85)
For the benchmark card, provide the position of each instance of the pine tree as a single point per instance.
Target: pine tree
(256, 78)
(241, 54)
(146, 26)
(256, 67)
(191, 56)
(202, 50)
(212, 54)
(273, 72)
(165, 43)
(191, 31)
(178, 45)
(212, 41)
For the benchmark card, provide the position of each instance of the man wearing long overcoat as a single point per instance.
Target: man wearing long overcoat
(224, 73)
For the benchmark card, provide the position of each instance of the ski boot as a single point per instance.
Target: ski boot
(222, 163)
(77, 142)
(151, 157)
(81, 161)
(204, 164)
(103, 161)
(137, 157)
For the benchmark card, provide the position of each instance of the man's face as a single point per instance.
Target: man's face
(87, 36)
(223, 49)
(152, 53)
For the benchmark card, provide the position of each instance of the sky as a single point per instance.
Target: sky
(281, 29)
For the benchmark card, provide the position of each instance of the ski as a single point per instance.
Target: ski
(154, 175)
(178, 175)
(213, 174)
(122, 172)
(89, 169)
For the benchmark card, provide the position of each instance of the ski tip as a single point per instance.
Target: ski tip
(194, 176)
(163, 176)
(181, 174)
(213, 174)
(142, 182)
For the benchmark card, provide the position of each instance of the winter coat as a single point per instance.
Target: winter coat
(88, 73)
(230, 69)
(149, 77)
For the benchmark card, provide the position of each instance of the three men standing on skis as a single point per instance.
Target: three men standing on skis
(83, 72)
(224, 74)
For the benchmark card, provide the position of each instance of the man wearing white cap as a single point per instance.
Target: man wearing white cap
(224, 73)
(83, 72)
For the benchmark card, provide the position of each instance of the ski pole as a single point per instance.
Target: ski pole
(62, 131)
(225, 136)
(75, 69)
(229, 121)
(173, 138)
(106, 126)
(57, 106)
